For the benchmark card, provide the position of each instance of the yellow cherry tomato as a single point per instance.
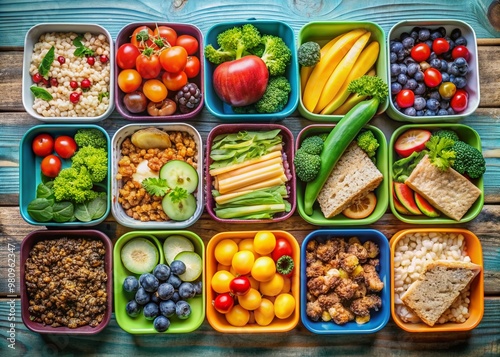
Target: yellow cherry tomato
(154, 90)
(220, 281)
(243, 261)
(264, 314)
(251, 300)
(253, 283)
(223, 267)
(263, 269)
(287, 285)
(237, 316)
(224, 251)
(272, 287)
(284, 305)
(264, 242)
(247, 244)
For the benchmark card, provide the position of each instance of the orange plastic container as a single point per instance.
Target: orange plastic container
(476, 306)
(218, 320)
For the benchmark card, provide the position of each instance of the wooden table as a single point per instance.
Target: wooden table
(16, 18)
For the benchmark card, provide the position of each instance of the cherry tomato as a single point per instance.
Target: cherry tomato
(284, 305)
(420, 52)
(251, 300)
(189, 42)
(283, 247)
(220, 281)
(164, 36)
(173, 59)
(142, 37)
(459, 101)
(242, 262)
(272, 287)
(148, 65)
(447, 89)
(127, 55)
(238, 316)
(264, 242)
(65, 146)
(224, 251)
(460, 51)
(440, 46)
(263, 269)
(264, 314)
(223, 303)
(239, 285)
(247, 244)
(154, 90)
(129, 80)
(192, 66)
(42, 145)
(405, 98)
(51, 165)
(174, 81)
(432, 77)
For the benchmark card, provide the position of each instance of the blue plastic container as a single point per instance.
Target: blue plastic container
(224, 111)
(378, 319)
(30, 174)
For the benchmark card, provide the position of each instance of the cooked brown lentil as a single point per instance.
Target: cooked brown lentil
(66, 282)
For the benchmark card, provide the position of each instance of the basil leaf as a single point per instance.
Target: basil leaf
(41, 93)
(78, 41)
(40, 209)
(81, 50)
(63, 211)
(46, 63)
(102, 95)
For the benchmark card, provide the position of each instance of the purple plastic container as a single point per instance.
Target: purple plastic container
(181, 29)
(288, 149)
(27, 244)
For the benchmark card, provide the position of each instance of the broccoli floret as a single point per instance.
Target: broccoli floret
(372, 86)
(74, 185)
(445, 133)
(95, 161)
(312, 145)
(233, 43)
(323, 136)
(368, 143)
(309, 54)
(276, 54)
(91, 137)
(306, 165)
(468, 160)
(246, 109)
(275, 97)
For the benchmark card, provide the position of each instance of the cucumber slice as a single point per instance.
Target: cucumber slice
(194, 265)
(180, 174)
(174, 245)
(179, 210)
(139, 256)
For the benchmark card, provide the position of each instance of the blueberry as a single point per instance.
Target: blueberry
(396, 106)
(174, 280)
(402, 78)
(155, 298)
(435, 95)
(414, 32)
(176, 297)
(186, 290)
(396, 46)
(460, 62)
(165, 291)
(141, 278)
(142, 296)
(130, 284)
(442, 30)
(410, 111)
(435, 63)
(452, 78)
(429, 43)
(404, 35)
(404, 68)
(150, 311)
(451, 111)
(420, 113)
(132, 308)
(461, 41)
(198, 287)
(455, 33)
(178, 267)
(396, 87)
(445, 104)
(408, 42)
(161, 323)
(442, 112)
(424, 34)
(393, 57)
(395, 69)
(419, 103)
(420, 90)
(162, 272)
(460, 82)
(445, 77)
(432, 104)
(444, 66)
(412, 68)
(451, 43)
(167, 308)
(408, 60)
(411, 84)
(430, 113)
(149, 282)
(419, 76)
(182, 309)
(435, 34)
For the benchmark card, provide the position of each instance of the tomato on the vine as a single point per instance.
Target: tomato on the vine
(283, 247)
(173, 59)
(51, 165)
(148, 65)
(142, 37)
(42, 145)
(432, 77)
(460, 51)
(440, 46)
(174, 81)
(420, 52)
(192, 66)
(164, 36)
(154, 90)
(189, 42)
(129, 80)
(65, 146)
(127, 55)
(223, 303)
(240, 285)
(459, 101)
(405, 98)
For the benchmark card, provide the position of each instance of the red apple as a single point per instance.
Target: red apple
(241, 82)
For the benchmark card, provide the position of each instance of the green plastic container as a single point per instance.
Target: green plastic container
(139, 325)
(322, 32)
(382, 191)
(465, 133)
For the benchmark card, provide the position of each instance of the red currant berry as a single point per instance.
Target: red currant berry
(54, 82)
(103, 58)
(85, 83)
(73, 84)
(61, 59)
(91, 60)
(45, 82)
(74, 97)
(37, 78)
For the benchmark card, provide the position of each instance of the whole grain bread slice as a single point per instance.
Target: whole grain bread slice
(352, 178)
(437, 288)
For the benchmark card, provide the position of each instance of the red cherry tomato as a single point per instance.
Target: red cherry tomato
(440, 46)
(192, 66)
(51, 166)
(432, 77)
(405, 98)
(223, 303)
(189, 42)
(164, 36)
(420, 52)
(283, 247)
(65, 146)
(174, 81)
(173, 59)
(459, 101)
(148, 66)
(126, 56)
(240, 285)
(42, 145)
(142, 37)
(460, 51)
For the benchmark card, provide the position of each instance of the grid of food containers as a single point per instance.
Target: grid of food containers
(138, 153)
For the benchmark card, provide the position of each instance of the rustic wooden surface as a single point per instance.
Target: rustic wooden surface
(16, 18)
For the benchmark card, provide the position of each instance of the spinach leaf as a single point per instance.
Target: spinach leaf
(82, 212)
(43, 191)
(41, 93)
(40, 209)
(63, 211)
(46, 63)
(97, 206)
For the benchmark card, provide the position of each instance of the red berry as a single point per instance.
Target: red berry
(85, 83)
(37, 78)
(61, 59)
(74, 97)
(73, 84)
(103, 58)
(45, 81)
(54, 82)
(91, 60)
